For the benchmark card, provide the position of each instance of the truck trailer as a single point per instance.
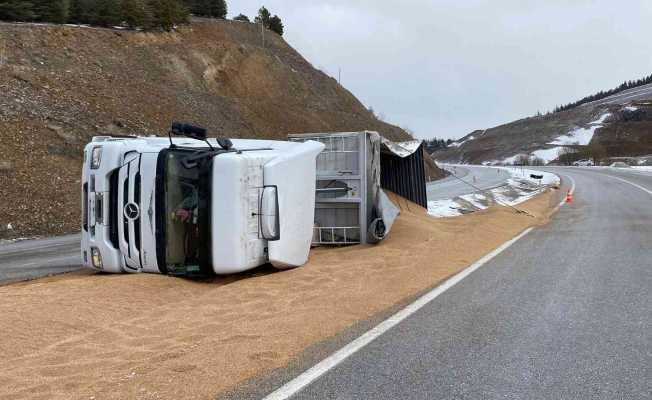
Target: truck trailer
(196, 206)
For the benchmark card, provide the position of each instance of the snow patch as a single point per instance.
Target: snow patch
(581, 136)
(630, 108)
(444, 208)
(600, 120)
(410, 145)
(547, 155)
(512, 159)
(458, 144)
(401, 149)
(79, 26)
(525, 174)
(477, 200)
(519, 188)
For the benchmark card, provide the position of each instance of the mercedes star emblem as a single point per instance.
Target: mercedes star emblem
(131, 211)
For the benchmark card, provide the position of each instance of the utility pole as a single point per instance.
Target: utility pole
(339, 76)
(262, 31)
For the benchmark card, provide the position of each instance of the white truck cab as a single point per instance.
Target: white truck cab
(196, 206)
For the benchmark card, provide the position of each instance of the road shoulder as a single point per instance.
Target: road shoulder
(119, 336)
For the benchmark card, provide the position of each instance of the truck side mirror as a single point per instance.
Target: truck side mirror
(269, 215)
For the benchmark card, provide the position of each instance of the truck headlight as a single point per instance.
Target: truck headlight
(96, 258)
(96, 157)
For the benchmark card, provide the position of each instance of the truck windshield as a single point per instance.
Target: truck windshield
(181, 188)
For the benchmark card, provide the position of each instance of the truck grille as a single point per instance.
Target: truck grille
(129, 233)
(113, 209)
(85, 206)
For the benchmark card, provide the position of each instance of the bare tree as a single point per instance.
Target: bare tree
(522, 159)
(597, 152)
(568, 155)
(537, 161)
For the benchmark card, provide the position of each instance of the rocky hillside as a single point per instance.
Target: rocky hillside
(620, 125)
(60, 85)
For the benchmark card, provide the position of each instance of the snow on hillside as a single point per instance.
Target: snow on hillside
(581, 136)
(458, 144)
(547, 155)
(577, 136)
(601, 120)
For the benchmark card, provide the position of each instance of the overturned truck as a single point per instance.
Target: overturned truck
(192, 205)
(352, 171)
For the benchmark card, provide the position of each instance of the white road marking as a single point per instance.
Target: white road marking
(297, 384)
(631, 183)
(626, 94)
(572, 191)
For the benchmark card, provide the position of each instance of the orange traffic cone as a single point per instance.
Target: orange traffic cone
(569, 197)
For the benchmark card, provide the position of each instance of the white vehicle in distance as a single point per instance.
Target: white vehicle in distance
(620, 164)
(196, 206)
(583, 163)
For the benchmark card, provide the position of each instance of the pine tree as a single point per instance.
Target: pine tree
(107, 13)
(272, 23)
(209, 8)
(55, 11)
(17, 10)
(136, 13)
(263, 16)
(168, 13)
(276, 25)
(82, 11)
(218, 9)
(241, 17)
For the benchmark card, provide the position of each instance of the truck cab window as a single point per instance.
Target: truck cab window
(181, 213)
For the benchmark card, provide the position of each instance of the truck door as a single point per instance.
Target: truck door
(293, 176)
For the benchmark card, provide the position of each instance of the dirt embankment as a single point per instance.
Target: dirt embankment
(90, 335)
(61, 85)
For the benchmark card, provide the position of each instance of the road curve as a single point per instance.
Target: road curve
(480, 176)
(635, 94)
(566, 312)
(31, 259)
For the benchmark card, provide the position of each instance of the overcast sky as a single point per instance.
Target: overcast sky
(444, 68)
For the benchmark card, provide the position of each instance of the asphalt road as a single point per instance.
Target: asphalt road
(639, 93)
(450, 187)
(31, 259)
(564, 313)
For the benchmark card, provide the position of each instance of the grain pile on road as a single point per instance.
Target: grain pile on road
(89, 335)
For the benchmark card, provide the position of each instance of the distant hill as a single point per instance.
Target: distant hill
(60, 85)
(614, 126)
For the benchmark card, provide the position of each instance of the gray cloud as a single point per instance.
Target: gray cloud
(444, 68)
